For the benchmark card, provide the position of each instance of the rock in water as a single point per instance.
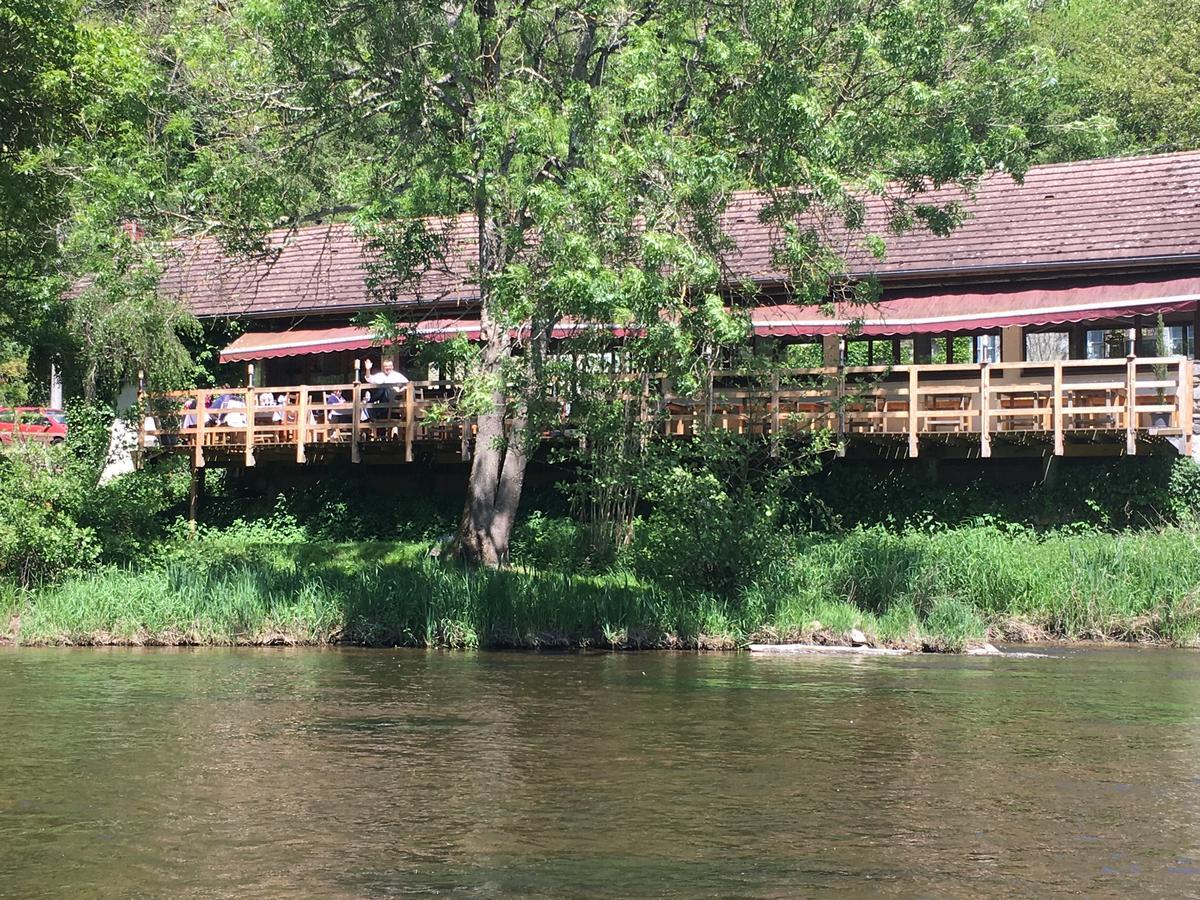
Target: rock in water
(857, 638)
(985, 650)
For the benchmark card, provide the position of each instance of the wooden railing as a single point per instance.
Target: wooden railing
(302, 417)
(1126, 398)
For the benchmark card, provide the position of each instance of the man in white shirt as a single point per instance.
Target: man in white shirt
(387, 374)
(389, 381)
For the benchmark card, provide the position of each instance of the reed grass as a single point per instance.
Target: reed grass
(940, 590)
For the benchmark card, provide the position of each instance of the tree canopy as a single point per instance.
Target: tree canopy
(1129, 73)
(594, 144)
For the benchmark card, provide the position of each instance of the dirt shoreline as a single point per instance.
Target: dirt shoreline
(627, 643)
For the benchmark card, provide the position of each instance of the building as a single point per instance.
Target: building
(1063, 311)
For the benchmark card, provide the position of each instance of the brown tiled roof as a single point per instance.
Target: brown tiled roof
(1069, 216)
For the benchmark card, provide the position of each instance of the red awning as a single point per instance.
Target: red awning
(926, 311)
(300, 342)
(933, 311)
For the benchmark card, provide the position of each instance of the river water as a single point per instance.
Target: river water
(345, 773)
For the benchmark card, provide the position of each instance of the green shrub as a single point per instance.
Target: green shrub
(40, 537)
(550, 542)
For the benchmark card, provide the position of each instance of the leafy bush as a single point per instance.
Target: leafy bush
(550, 542)
(717, 514)
(55, 516)
(1128, 492)
(40, 537)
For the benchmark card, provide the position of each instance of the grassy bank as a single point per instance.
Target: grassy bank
(940, 590)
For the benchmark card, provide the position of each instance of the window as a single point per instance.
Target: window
(1174, 341)
(987, 348)
(1106, 344)
(1047, 346)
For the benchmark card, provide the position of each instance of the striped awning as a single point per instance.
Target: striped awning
(941, 311)
(302, 341)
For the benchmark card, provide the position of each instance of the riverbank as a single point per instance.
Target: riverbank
(942, 590)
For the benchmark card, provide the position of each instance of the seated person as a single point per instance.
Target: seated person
(189, 419)
(336, 416)
(234, 419)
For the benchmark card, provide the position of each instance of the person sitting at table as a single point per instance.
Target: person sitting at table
(336, 416)
(235, 419)
(189, 419)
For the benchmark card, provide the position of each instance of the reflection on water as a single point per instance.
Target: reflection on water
(349, 773)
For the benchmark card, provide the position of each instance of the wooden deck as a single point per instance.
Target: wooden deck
(1117, 403)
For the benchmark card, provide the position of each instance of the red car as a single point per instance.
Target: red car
(32, 423)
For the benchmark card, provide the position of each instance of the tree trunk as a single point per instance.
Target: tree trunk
(497, 469)
(498, 466)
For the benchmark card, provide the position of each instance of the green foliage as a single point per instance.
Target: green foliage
(940, 590)
(1128, 492)
(717, 511)
(1129, 76)
(345, 504)
(551, 543)
(14, 389)
(55, 516)
(40, 538)
(39, 104)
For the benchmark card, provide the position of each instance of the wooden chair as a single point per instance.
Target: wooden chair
(947, 412)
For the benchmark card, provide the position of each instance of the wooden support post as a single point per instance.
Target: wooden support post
(1057, 400)
(1131, 405)
(949, 349)
(913, 444)
(839, 387)
(1077, 342)
(1012, 344)
(356, 425)
(831, 350)
(708, 403)
(775, 437)
(1186, 400)
(896, 354)
(201, 421)
(664, 404)
(142, 415)
(195, 496)
(922, 349)
(249, 457)
(410, 421)
(985, 402)
(301, 424)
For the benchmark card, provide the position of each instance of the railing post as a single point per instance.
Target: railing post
(913, 444)
(1057, 400)
(985, 403)
(708, 403)
(775, 414)
(250, 407)
(1185, 401)
(410, 423)
(301, 423)
(664, 393)
(201, 420)
(142, 414)
(356, 425)
(1131, 405)
(840, 393)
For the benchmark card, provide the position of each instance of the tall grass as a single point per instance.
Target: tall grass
(942, 589)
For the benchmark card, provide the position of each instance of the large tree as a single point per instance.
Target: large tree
(594, 144)
(38, 102)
